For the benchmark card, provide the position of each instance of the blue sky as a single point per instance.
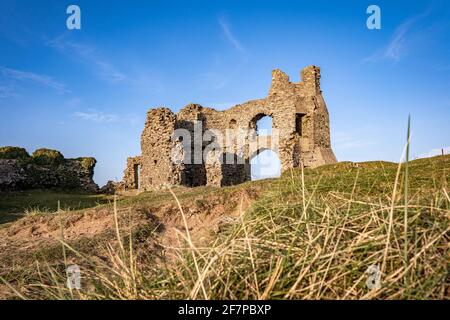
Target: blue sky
(86, 92)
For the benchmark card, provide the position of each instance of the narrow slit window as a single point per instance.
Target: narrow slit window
(299, 123)
(137, 176)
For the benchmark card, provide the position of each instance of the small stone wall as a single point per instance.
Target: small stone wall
(44, 169)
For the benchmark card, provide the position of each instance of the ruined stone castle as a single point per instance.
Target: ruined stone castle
(300, 123)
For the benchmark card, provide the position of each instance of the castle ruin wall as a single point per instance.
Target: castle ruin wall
(302, 137)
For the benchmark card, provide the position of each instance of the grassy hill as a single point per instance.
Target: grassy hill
(312, 234)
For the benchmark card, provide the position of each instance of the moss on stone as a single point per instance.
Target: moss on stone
(13, 153)
(87, 163)
(47, 157)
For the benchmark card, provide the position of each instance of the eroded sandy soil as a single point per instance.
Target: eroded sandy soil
(29, 240)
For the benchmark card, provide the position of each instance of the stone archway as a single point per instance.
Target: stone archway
(256, 119)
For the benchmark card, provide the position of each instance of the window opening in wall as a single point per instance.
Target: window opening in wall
(137, 176)
(264, 126)
(299, 123)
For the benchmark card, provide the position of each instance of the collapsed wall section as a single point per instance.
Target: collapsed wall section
(43, 170)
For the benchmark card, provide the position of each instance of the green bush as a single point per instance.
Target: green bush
(47, 157)
(13, 153)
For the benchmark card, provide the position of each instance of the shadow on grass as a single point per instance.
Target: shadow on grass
(13, 205)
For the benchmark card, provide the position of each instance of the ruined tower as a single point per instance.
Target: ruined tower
(190, 148)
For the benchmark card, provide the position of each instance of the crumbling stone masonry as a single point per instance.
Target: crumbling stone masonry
(44, 169)
(298, 111)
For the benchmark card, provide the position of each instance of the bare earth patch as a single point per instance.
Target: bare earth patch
(21, 241)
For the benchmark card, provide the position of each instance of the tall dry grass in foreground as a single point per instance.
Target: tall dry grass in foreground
(305, 241)
(313, 235)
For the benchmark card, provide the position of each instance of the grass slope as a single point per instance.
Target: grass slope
(14, 205)
(308, 235)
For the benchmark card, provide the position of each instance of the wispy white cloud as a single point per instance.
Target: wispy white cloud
(342, 140)
(231, 38)
(96, 116)
(218, 75)
(215, 80)
(73, 102)
(6, 92)
(435, 152)
(398, 44)
(90, 55)
(26, 76)
(101, 117)
(222, 105)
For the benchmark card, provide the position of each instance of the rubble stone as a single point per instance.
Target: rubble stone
(44, 169)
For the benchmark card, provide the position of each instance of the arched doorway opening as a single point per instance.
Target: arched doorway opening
(264, 165)
(262, 123)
